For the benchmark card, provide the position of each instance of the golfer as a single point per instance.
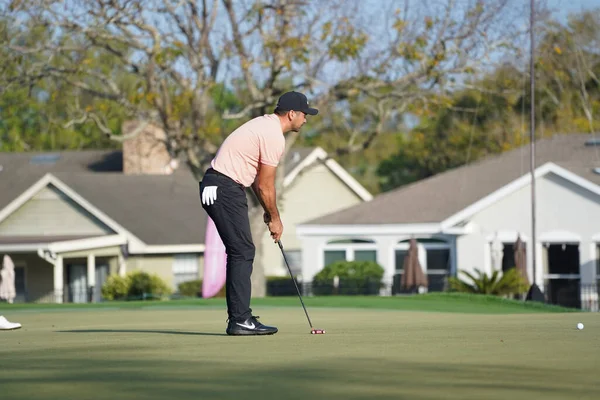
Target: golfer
(249, 157)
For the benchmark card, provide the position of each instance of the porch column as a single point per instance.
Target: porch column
(91, 275)
(58, 279)
(541, 266)
(386, 258)
(122, 267)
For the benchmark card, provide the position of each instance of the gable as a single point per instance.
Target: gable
(582, 185)
(314, 193)
(51, 213)
(561, 205)
(319, 157)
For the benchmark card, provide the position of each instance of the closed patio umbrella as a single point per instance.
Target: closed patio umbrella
(7, 280)
(521, 259)
(413, 275)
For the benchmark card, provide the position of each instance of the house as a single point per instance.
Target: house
(315, 185)
(69, 219)
(460, 217)
(67, 225)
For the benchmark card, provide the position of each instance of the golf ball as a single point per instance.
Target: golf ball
(580, 326)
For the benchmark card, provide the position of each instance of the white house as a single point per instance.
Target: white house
(461, 216)
(314, 185)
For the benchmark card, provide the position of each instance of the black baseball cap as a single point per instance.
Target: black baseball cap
(295, 101)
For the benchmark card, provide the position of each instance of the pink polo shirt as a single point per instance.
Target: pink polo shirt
(258, 141)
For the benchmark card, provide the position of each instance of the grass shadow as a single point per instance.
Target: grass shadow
(141, 331)
(106, 373)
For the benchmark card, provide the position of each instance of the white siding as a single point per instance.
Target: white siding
(562, 207)
(315, 192)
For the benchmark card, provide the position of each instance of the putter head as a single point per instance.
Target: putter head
(317, 331)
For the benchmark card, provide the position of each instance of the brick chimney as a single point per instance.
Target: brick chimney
(145, 153)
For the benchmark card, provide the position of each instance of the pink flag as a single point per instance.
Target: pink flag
(215, 260)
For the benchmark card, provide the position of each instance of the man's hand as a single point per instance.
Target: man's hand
(276, 229)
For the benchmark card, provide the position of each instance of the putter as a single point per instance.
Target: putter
(313, 331)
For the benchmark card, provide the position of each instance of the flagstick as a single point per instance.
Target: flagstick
(532, 147)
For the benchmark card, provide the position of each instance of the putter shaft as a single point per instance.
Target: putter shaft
(295, 284)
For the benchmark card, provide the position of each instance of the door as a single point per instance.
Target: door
(101, 276)
(563, 278)
(20, 289)
(77, 280)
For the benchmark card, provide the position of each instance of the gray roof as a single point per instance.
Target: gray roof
(295, 157)
(159, 209)
(438, 197)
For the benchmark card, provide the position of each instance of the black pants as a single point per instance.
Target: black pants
(230, 214)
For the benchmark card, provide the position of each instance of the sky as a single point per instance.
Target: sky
(564, 7)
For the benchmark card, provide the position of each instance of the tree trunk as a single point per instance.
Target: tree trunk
(258, 228)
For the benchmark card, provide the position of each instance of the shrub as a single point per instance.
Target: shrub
(194, 289)
(115, 288)
(498, 283)
(281, 286)
(355, 278)
(143, 285)
(136, 285)
(191, 288)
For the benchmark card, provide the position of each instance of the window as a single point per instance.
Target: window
(294, 258)
(598, 269)
(508, 256)
(598, 262)
(438, 268)
(434, 257)
(365, 255)
(350, 250)
(332, 256)
(185, 268)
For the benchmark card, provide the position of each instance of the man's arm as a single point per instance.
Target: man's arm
(264, 187)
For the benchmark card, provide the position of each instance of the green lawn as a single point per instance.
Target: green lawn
(436, 302)
(374, 348)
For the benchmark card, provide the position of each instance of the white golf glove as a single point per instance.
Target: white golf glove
(209, 195)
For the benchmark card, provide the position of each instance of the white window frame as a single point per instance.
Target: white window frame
(422, 251)
(194, 270)
(349, 248)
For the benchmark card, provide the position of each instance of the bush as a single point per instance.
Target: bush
(355, 278)
(194, 289)
(135, 286)
(115, 288)
(191, 288)
(143, 285)
(281, 286)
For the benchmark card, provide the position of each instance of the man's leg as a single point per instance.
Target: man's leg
(229, 212)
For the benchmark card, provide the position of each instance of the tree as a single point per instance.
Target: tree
(169, 57)
(498, 283)
(568, 73)
(491, 114)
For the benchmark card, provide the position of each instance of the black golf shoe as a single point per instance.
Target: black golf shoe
(251, 326)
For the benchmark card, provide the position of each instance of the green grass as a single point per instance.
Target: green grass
(367, 353)
(433, 302)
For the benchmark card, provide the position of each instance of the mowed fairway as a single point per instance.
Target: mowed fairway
(182, 353)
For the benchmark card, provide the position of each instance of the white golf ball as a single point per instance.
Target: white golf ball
(580, 326)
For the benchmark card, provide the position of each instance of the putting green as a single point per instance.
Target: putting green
(366, 354)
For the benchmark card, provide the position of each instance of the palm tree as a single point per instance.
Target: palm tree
(498, 283)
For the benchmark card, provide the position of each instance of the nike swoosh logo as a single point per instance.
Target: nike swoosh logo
(249, 326)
